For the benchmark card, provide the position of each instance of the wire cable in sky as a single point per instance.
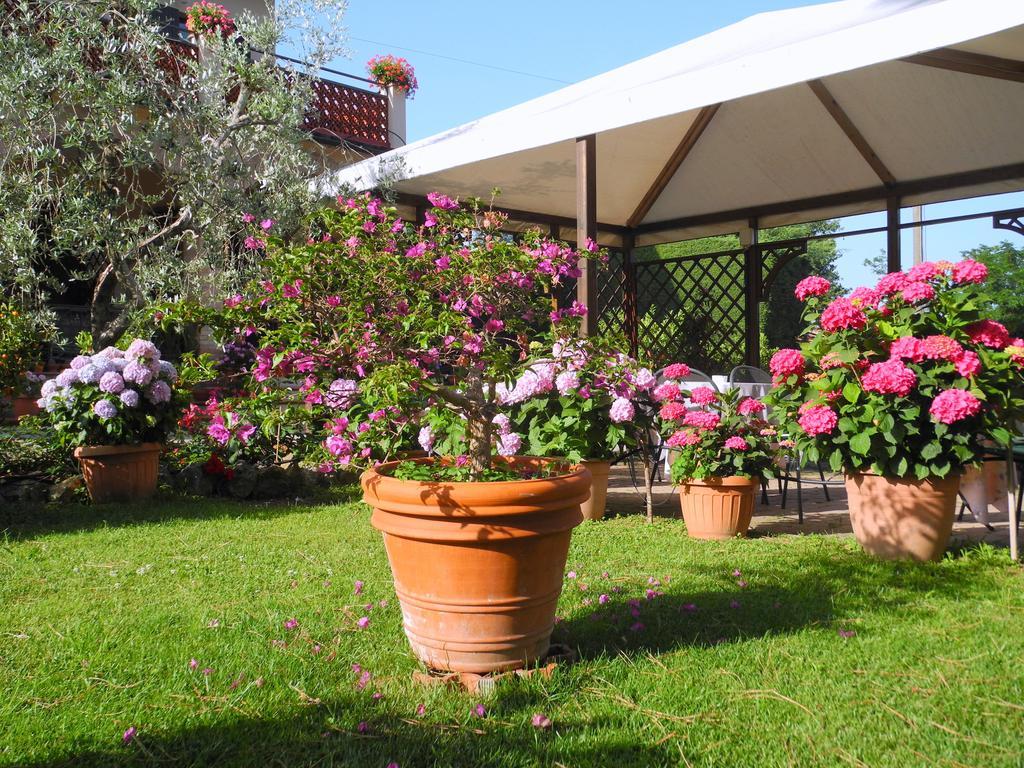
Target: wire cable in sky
(462, 61)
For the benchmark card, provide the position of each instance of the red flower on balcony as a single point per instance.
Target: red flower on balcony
(392, 70)
(204, 19)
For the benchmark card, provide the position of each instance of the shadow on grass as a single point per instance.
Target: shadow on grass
(27, 521)
(327, 734)
(827, 590)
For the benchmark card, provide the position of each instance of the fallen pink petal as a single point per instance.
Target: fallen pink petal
(540, 721)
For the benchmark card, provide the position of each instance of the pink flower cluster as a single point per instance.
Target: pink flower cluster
(787, 362)
(843, 314)
(954, 405)
(891, 377)
(812, 286)
(818, 420)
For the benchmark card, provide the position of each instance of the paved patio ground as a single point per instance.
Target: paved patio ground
(829, 516)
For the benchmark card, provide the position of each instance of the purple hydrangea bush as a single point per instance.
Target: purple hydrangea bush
(113, 397)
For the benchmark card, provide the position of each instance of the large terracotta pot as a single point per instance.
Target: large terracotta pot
(119, 472)
(718, 507)
(902, 519)
(478, 567)
(593, 507)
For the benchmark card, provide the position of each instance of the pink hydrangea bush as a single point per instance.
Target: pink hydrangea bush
(114, 397)
(904, 379)
(713, 434)
(580, 399)
(376, 327)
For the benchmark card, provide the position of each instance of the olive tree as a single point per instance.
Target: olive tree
(127, 163)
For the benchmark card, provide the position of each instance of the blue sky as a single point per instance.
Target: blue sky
(570, 40)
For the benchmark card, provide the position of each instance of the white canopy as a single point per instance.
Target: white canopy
(788, 116)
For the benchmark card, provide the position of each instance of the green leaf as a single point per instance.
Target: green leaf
(861, 443)
(931, 450)
(851, 392)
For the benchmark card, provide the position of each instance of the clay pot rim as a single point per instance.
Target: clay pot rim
(729, 480)
(575, 470)
(88, 451)
(850, 475)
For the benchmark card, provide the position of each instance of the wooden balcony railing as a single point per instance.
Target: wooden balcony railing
(338, 113)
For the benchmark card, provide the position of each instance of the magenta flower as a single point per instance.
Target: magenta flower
(915, 292)
(812, 286)
(969, 271)
(954, 405)
(291, 624)
(480, 711)
(677, 371)
(193, 664)
(890, 377)
(846, 634)
(420, 710)
(843, 314)
(818, 420)
(541, 722)
(266, 224)
(787, 362)
(894, 282)
(603, 599)
(129, 736)
(989, 333)
(703, 396)
(363, 727)
(736, 444)
(363, 622)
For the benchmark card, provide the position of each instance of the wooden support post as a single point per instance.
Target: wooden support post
(752, 295)
(892, 231)
(586, 227)
(629, 308)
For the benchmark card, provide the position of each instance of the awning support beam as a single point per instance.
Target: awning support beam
(809, 204)
(894, 262)
(969, 63)
(586, 228)
(852, 133)
(689, 141)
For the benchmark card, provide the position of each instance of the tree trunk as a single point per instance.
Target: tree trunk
(479, 427)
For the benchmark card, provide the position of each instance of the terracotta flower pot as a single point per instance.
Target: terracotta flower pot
(24, 405)
(119, 472)
(718, 507)
(593, 507)
(902, 519)
(478, 567)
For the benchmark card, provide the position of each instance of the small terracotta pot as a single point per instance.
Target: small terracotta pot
(593, 507)
(902, 519)
(119, 472)
(478, 567)
(24, 405)
(718, 507)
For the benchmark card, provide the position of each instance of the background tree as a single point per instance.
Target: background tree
(1005, 287)
(127, 164)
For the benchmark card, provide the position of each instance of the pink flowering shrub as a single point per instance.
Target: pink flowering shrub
(580, 399)
(713, 434)
(374, 334)
(905, 379)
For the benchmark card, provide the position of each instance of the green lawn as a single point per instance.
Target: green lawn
(103, 609)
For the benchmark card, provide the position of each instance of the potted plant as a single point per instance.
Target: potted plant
(722, 450)
(114, 408)
(900, 386)
(204, 20)
(384, 323)
(580, 401)
(388, 72)
(24, 334)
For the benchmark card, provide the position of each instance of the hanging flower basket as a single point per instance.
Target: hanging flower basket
(392, 71)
